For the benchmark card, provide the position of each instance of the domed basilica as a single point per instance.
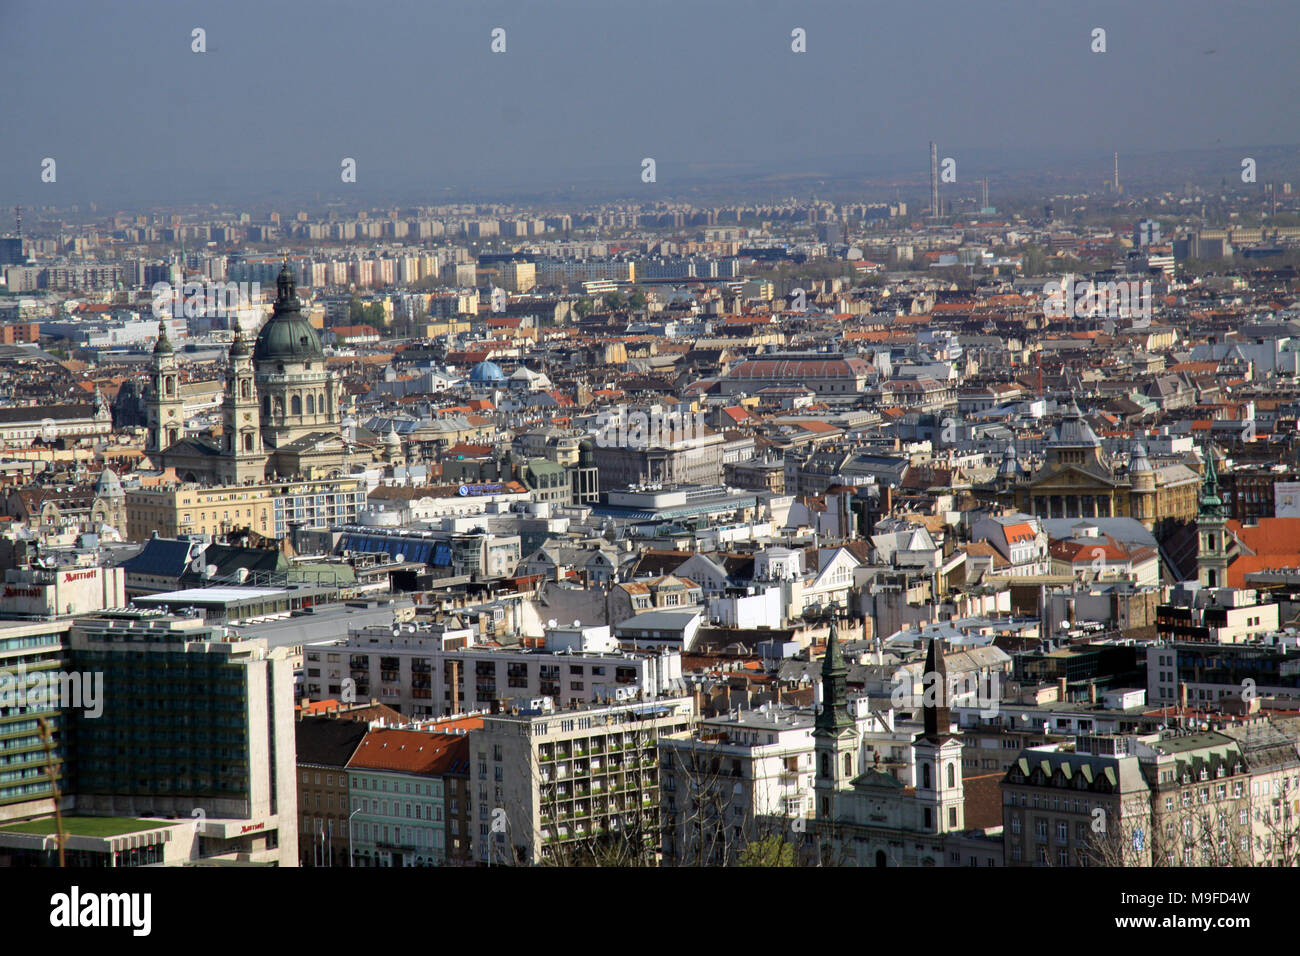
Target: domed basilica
(280, 415)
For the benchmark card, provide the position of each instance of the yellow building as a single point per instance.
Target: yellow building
(434, 328)
(1077, 482)
(272, 509)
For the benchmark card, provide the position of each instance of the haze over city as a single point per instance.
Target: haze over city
(661, 437)
(585, 90)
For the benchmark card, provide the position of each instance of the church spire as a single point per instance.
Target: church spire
(1211, 503)
(834, 715)
(934, 684)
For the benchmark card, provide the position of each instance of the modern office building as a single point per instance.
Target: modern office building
(195, 724)
(29, 647)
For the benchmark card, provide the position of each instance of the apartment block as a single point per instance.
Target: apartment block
(738, 778)
(423, 673)
(551, 785)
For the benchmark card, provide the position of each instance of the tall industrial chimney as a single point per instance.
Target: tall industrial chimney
(934, 180)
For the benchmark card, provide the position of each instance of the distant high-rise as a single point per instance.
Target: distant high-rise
(11, 251)
(1146, 233)
(1116, 183)
(934, 180)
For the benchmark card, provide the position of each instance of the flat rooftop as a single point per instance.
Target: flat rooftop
(87, 826)
(223, 595)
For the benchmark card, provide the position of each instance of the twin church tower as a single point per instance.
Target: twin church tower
(280, 412)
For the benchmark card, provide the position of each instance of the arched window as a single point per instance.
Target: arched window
(826, 765)
(925, 776)
(952, 776)
(880, 858)
(248, 441)
(295, 405)
(311, 404)
(848, 765)
(245, 390)
(170, 385)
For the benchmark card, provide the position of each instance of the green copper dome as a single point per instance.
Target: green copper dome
(287, 336)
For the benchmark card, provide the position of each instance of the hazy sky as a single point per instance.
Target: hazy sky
(411, 90)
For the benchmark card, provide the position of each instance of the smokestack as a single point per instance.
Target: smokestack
(1092, 693)
(1117, 174)
(934, 180)
(1063, 686)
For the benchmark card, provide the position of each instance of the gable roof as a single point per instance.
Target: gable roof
(406, 751)
(327, 742)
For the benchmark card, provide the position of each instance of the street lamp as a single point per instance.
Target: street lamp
(351, 859)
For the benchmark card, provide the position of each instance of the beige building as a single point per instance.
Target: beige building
(518, 276)
(270, 508)
(436, 328)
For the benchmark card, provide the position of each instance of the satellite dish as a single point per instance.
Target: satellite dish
(242, 575)
(552, 622)
(210, 571)
(577, 624)
(399, 558)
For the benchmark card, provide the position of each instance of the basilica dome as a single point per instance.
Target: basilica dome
(287, 336)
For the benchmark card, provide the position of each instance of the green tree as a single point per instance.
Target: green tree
(636, 299)
(1033, 261)
(361, 313)
(615, 301)
(583, 308)
(771, 850)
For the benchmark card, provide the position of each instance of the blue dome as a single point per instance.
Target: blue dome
(487, 372)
